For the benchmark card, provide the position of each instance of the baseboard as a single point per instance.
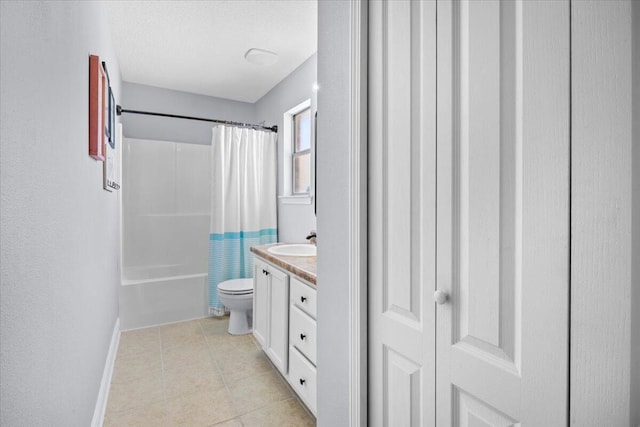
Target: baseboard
(103, 394)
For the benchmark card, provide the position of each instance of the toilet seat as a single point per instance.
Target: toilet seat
(236, 287)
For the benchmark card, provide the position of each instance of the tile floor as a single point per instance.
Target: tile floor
(195, 374)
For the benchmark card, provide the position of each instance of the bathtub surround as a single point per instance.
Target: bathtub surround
(243, 203)
(59, 230)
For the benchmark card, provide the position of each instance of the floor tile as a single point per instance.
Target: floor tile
(231, 423)
(139, 341)
(192, 379)
(235, 367)
(179, 334)
(136, 367)
(230, 345)
(195, 373)
(187, 354)
(129, 395)
(257, 391)
(201, 409)
(215, 325)
(286, 413)
(154, 414)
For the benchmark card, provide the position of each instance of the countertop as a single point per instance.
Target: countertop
(304, 267)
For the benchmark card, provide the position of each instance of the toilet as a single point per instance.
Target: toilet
(237, 296)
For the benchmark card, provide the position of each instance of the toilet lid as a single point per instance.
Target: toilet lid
(236, 286)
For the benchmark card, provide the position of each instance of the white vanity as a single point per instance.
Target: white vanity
(284, 317)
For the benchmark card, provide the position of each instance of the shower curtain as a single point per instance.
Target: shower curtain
(243, 203)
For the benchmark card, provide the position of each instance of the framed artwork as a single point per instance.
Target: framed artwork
(109, 130)
(98, 93)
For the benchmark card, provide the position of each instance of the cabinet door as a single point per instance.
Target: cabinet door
(402, 148)
(260, 302)
(278, 343)
(502, 213)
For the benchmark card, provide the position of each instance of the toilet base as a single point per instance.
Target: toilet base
(240, 322)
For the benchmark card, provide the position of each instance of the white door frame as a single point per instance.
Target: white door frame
(357, 238)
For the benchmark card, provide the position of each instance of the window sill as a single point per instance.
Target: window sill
(304, 199)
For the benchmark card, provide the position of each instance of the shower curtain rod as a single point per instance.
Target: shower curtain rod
(120, 110)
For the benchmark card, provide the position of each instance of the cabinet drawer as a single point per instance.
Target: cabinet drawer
(302, 333)
(302, 377)
(303, 296)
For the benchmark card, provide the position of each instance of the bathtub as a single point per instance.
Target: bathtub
(154, 295)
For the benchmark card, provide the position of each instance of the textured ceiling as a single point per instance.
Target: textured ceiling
(199, 46)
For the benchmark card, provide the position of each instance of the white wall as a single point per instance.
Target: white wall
(59, 229)
(294, 221)
(333, 207)
(603, 268)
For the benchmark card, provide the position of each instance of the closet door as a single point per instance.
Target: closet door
(402, 170)
(502, 213)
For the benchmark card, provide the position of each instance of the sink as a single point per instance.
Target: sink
(294, 249)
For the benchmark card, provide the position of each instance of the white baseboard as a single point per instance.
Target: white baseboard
(103, 394)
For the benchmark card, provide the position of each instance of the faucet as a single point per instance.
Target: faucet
(312, 237)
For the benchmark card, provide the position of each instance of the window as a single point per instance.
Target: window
(297, 160)
(301, 152)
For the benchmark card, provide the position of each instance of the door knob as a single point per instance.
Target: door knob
(440, 297)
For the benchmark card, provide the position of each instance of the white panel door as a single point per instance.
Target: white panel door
(502, 213)
(402, 211)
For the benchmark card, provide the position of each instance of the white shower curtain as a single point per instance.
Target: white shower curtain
(243, 202)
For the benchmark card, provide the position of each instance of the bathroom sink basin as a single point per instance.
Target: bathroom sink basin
(297, 249)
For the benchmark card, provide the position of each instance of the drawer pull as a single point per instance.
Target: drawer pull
(302, 336)
(302, 381)
(303, 299)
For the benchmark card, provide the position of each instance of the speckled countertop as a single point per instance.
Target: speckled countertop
(302, 266)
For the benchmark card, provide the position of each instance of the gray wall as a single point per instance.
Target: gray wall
(155, 99)
(294, 221)
(59, 230)
(333, 207)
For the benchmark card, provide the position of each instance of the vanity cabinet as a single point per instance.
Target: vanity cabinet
(302, 342)
(270, 312)
(284, 324)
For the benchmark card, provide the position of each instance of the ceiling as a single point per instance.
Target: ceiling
(199, 46)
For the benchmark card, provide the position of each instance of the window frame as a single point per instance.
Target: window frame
(295, 154)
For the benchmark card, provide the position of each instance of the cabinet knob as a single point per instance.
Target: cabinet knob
(302, 336)
(302, 381)
(303, 299)
(440, 297)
